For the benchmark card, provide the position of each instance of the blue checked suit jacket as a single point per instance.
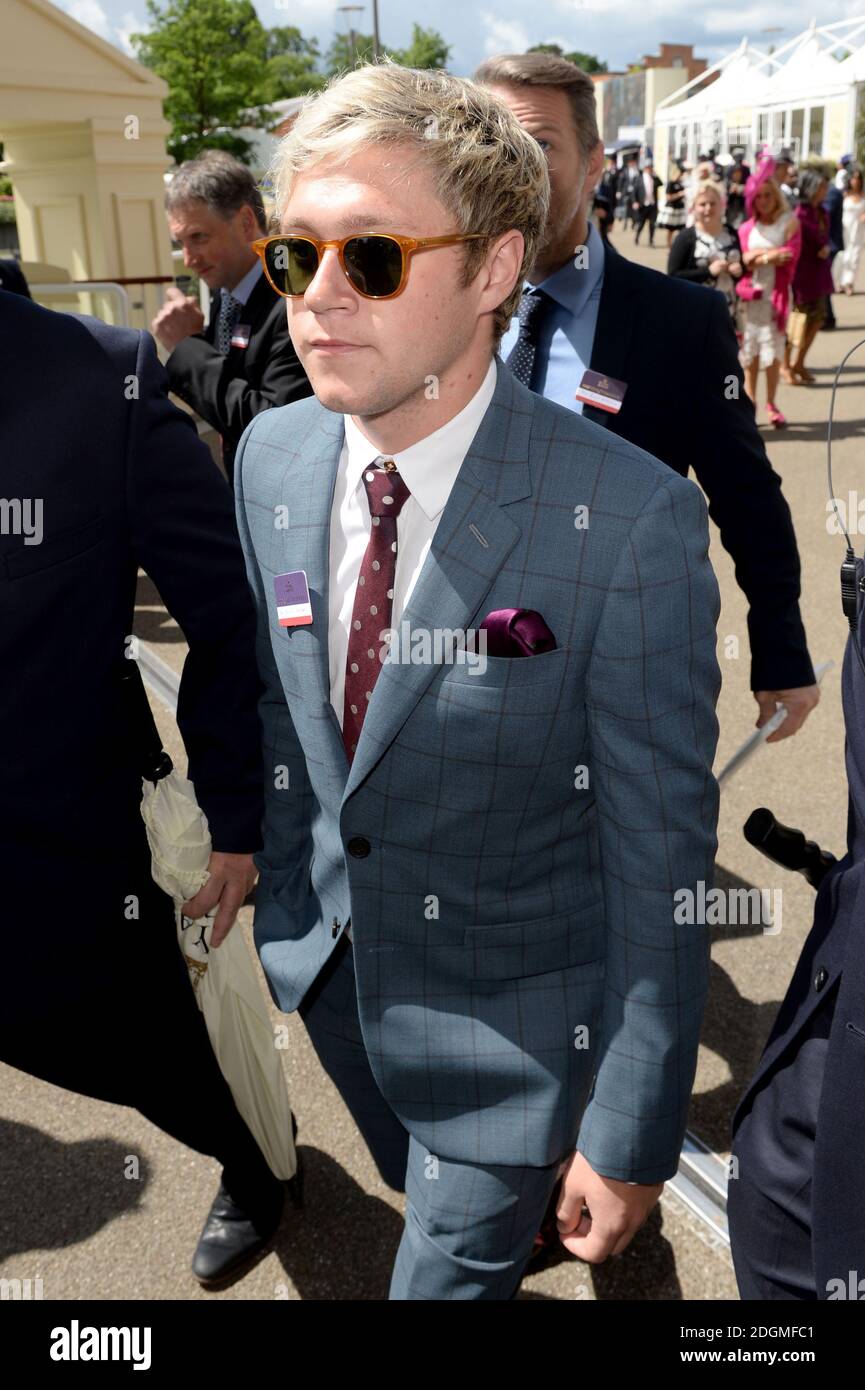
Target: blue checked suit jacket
(522, 985)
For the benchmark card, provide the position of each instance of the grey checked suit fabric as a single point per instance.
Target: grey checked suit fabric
(501, 908)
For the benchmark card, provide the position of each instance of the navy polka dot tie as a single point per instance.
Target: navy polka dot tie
(373, 599)
(229, 313)
(533, 306)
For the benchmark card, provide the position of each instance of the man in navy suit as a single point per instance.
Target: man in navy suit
(796, 1196)
(243, 361)
(101, 476)
(671, 345)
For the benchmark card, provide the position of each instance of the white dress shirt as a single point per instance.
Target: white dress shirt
(429, 470)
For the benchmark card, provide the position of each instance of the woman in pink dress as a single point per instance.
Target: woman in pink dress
(770, 241)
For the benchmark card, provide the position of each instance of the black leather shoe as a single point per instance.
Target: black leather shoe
(234, 1237)
(237, 1232)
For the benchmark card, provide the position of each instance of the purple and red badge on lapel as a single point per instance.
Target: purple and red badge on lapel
(604, 392)
(293, 606)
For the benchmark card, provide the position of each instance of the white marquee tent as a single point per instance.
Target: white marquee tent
(805, 96)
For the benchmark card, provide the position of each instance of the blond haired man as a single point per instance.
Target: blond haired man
(471, 850)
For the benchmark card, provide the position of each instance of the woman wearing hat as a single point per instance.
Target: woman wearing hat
(770, 239)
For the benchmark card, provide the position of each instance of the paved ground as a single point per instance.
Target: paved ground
(71, 1218)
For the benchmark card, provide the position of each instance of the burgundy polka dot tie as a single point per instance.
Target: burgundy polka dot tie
(373, 599)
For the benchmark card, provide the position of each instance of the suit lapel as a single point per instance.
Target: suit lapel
(471, 543)
(614, 331)
(259, 304)
(306, 488)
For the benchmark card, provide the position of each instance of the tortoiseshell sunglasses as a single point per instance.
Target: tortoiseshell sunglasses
(375, 263)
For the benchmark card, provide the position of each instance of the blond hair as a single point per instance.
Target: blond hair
(782, 206)
(488, 173)
(709, 186)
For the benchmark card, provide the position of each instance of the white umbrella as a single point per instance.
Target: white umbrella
(224, 980)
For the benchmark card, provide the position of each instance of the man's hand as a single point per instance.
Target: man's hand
(231, 878)
(179, 318)
(799, 702)
(616, 1211)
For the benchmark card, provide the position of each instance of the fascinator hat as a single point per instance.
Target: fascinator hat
(765, 169)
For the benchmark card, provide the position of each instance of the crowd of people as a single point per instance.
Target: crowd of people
(412, 785)
(776, 243)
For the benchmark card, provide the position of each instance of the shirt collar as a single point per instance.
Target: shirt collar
(571, 287)
(430, 467)
(244, 288)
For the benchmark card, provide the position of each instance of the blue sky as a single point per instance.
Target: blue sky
(620, 31)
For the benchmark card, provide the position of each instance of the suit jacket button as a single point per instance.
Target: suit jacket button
(359, 847)
(820, 978)
(334, 931)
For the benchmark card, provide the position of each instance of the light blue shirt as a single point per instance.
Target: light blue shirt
(243, 290)
(567, 333)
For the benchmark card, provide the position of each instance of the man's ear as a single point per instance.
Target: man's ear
(503, 264)
(595, 166)
(249, 223)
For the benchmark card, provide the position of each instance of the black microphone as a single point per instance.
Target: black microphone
(787, 847)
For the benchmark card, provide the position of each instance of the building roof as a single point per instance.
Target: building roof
(822, 61)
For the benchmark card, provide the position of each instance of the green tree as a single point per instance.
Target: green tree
(292, 64)
(213, 55)
(426, 50)
(340, 56)
(587, 61)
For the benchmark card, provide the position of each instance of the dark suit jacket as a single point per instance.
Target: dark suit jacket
(834, 954)
(833, 204)
(638, 191)
(674, 346)
(123, 483)
(12, 279)
(229, 391)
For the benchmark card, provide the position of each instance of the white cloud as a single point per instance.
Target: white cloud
(503, 35)
(91, 14)
(129, 24)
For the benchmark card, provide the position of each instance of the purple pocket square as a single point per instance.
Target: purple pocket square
(517, 632)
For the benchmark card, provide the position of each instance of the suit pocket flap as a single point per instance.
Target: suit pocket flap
(538, 947)
(75, 540)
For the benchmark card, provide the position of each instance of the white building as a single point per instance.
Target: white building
(806, 96)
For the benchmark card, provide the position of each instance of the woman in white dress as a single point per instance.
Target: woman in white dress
(770, 241)
(853, 218)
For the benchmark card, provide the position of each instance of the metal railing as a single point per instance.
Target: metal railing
(66, 289)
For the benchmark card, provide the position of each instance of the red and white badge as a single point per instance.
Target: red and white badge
(603, 392)
(240, 336)
(293, 605)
